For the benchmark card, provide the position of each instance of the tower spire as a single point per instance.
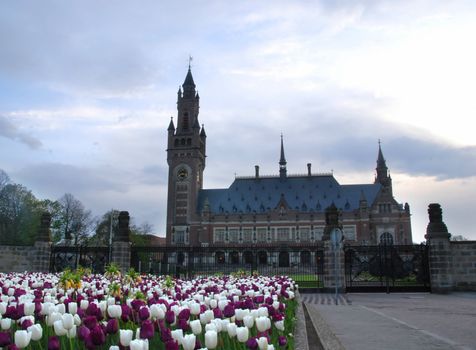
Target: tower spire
(282, 161)
(382, 176)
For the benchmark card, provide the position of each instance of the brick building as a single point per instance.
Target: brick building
(280, 209)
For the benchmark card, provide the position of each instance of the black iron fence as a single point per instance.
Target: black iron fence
(94, 258)
(387, 268)
(304, 263)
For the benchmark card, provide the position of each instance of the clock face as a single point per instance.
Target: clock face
(182, 174)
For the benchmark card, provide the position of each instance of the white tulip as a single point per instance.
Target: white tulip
(22, 339)
(279, 325)
(242, 334)
(5, 323)
(61, 308)
(249, 321)
(114, 311)
(213, 303)
(114, 347)
(29, 308)
(270, 347)
(36, 332)
(125, 336)
(3, 308)
(263, 343)
(195, 309)
(196, 327)
(53, 317)
(137, 344)
(59, 328)
(73, 308)
(111, 301)
(263, 311)
(211, 339)
(188, 342)
(77, 320)
(276, 305)
(84, 304)
(177, 334)
(231, 328)
(222, 304)
(211, 327)
(68, 321)
(72, 332)
(263, 323)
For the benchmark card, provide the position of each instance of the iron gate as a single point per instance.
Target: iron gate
(387, 268)
(94, 258)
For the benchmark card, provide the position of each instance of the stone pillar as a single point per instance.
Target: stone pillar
(440, 257)
(334, 264)
(121, 245)
(42, 246)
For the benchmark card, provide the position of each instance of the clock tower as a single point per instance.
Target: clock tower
(186, 160)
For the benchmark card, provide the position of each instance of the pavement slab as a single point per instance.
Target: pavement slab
(400, 321)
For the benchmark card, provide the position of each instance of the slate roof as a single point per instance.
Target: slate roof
(304, 193)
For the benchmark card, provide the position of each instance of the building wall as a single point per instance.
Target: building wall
(17, 258)
(464, 265)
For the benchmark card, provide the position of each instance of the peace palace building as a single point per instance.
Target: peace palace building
(282, 209)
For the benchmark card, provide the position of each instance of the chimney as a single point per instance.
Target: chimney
(257, 171)
(308, 169)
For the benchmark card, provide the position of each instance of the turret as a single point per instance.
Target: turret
(282, 162)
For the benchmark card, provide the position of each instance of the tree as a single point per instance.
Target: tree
(75, 220)
(4, 179)
(103, 228)
(19, 215)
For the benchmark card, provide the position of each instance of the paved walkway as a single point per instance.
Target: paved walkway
(396, 321)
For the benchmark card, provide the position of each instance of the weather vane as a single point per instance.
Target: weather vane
(190, 59)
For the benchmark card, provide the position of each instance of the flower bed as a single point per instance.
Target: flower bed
(76, 310)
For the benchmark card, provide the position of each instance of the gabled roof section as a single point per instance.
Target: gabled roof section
(304, 193)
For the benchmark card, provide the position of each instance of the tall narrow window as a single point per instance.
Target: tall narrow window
(185, 121)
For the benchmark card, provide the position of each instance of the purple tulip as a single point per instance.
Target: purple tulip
(26, 323)
(183, 324)
(97, 336)
(53, 343)
(170, 317)
(5, 339)
(125, 312)
(282, 340)
(147, 330)
(217, 313)
(184, 314)
(137, 304)
(229, 311)
(90, 322)
(13, 347)
(83, 333)
(252, 343)
(165, 334)
(144, 313)
(112, 326)
(171, 345)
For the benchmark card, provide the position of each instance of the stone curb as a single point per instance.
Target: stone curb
(328, 339)
(300, 333)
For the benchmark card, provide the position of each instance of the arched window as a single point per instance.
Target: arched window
(248, 257)
(262, 257)
(386, 238)
(234, 258)
(283, 259)
(220, 257)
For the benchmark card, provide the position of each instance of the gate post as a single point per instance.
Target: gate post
(440, 258)
(333, 265)
(43, 245)
(121, 247)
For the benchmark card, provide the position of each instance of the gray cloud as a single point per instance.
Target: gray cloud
(11, 131)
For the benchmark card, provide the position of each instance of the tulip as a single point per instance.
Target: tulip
(5, 323)
(139, 344)
(170, 317)
(157, 312)
(125, 336)
(147, 330)
(196, 327)
(231, 328)
(72, 332)
(3, 308)
(171, 345)
(282, 341)
(114, 311)
(22, 339)
(84, 304)
(249, 321)
(263, 343)
(59, 328)
(36, 332)
(144, 313)
(68, 321)
(53, 343)
(53, 317)
(177, 335)
(73, 308)
(263, 323)
(5, 339)
(279, 325)
(112, 326)
(195, 308)
(270, 347)
(188, 342)
(29, 309)
(242, 334)
(114, 347)
(211, 339)
(252, 344)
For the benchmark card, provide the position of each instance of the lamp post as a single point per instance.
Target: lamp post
(336, 239)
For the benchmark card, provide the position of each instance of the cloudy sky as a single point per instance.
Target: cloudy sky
(87, 89)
